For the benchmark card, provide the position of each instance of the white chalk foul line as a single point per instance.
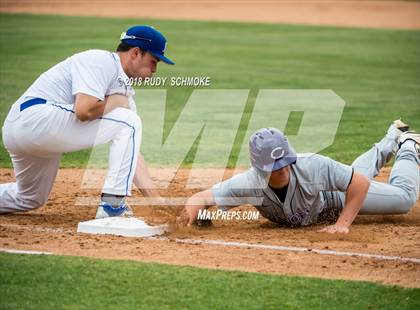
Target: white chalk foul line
(295, 249)
(35, 229)
(13, 251)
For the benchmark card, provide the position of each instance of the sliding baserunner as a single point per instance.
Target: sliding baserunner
(299, 190)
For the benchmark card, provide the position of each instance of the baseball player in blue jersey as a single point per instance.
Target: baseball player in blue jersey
(298, 190)
(83, 101)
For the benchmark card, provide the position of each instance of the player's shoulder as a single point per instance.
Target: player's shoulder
(256, 177)
(309, 167)
(248, 177)
(94, 53)
(308, 161)
(305, 158)
(96, 56)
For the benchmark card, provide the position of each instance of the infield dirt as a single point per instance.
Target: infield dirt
(52, 228)
(354, 13)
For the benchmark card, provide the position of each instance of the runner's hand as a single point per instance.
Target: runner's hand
(333, 229)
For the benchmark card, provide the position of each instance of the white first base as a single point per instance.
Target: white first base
(120, 226)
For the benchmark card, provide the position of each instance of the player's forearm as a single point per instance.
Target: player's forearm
(88, 108)
(355, 196)
(96, 111)
(143, 181)
(112, 102)
(197, 202)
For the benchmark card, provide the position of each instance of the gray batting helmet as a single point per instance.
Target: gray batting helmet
(269, 150)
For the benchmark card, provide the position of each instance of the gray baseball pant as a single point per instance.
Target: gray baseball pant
(401, 192)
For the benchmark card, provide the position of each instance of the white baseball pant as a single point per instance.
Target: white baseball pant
(37, 136)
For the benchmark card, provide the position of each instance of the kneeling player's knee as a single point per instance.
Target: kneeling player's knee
(413, 200)
(408, 203)
(135, 121)
(128, 117)
(26, 203)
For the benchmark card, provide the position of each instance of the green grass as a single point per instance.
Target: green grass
(377, 72)
(57, 282)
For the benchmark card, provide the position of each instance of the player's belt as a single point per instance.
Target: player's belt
(31, 102)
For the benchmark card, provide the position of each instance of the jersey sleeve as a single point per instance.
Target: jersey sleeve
(92, 73)
(241, 189)
(333, 175)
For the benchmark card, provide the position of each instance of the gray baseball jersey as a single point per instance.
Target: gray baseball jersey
(313, 181)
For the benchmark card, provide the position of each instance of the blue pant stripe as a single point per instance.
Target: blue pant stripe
(62, 108)
(132, 156)
(118, 121)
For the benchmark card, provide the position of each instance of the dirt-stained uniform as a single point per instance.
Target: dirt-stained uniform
(317, 185)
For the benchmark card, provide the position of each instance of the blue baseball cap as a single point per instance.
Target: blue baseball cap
(269, 150)
(148, 39)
